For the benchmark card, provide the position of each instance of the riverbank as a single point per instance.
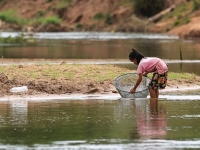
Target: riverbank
(107, 16)
(72, 80)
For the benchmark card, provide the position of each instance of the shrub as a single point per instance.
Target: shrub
(148, 8)
(39, 13)
(9, 16)
(49, 20)
(18, 39)
(63, 4)
(108, 19)
(79, 25)
(196, 5)
(98, 16)
(181, 21)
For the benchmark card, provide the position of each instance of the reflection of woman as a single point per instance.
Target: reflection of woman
(151, 119)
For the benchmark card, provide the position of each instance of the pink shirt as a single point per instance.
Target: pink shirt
(152, 64)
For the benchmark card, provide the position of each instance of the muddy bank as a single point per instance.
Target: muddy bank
(59, 79)
(54, 86)
(73, 79)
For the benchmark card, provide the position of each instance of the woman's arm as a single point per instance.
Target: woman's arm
(137, 83)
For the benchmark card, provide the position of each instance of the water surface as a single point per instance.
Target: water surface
(104, 46)
(100, 124)
(105, 122)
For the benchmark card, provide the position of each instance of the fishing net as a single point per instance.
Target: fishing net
(126, 82)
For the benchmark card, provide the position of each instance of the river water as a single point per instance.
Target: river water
(104, 122)
(181, 55)
(100, 124)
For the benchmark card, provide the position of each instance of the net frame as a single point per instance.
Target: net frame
(142, 90)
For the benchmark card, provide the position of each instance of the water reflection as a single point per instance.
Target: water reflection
(151, 119)
(116, 46)
(86, 45)
(18, 112)
(99, 124)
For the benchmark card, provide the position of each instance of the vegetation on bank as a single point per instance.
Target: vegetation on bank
(181, 14)
(10, 16)
(21, 39)
(141, 8)
(80, 72)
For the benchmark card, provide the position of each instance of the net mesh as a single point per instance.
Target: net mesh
(126, 82)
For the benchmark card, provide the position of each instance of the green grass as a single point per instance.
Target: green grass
(48, 20)
(181, 21)
(9, 16)
(196, 5)
(98, 16)
(179, 12)
(18, 39)
(179, 76)
(63, 4)
(80, 73)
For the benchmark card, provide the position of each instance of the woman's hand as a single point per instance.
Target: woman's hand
(137, 83)
(145, 74)
(132, 90)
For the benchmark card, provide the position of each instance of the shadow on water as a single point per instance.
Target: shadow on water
(100, 124)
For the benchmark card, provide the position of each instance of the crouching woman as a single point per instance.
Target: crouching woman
(150, 65)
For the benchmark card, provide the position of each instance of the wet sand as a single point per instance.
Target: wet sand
(168, 93)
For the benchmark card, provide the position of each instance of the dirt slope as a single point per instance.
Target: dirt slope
(76, 15)
(98, 15)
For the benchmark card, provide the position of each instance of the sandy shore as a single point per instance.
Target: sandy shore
(168, 93)
(82, 81)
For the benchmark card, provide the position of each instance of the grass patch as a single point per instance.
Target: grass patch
(180, 76)
(81, 73)
(79, 25)
(181, 21)
(48, 20)
(98, 16)
(63, 4)
(9, 16)
(180, 10)
(73, 72)
(18, 39)
(196, 5)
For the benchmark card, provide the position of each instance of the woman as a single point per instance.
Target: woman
(147, 65)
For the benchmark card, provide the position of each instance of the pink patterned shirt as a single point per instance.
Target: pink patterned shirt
(152, 64)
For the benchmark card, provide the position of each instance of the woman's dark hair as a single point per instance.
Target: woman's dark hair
(135, 55)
